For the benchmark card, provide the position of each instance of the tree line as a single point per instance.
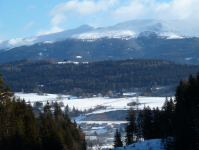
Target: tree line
(95, 77)
(21, 130)
(177, 123)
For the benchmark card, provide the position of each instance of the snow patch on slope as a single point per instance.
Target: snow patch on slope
(48, 42)
(154, 144)
(189, 58)
(170, 29)
(108, 34)
(49, 38)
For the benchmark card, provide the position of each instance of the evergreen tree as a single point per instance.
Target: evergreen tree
(6, 110)
(147, 123)
(31, 129)
(47, 108)
(117, 139)
(16, 142)
(84, 145)
(167, 118)
(67, 109)
(57, 111)
(131, 127)
(185, 122)
(50, 137)
(19, 129)
(140, 121)
(156, 123)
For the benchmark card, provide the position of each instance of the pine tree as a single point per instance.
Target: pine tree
(84, 144)
(47, 108)
(57, 112)
(167, 118)
(147, 123)
(131, 127)
(19, 129)
(31, 129)
(139, 126)
(185, 124)
(67, 109)
(156, 123)
(6, 109)
(17, 142)
(117, 139)
(50, 136)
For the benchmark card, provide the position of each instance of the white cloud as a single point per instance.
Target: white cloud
(133, 9)
(31, 7)
(28, 25)
(85, 7)
(57, 19)
(179, 9)
(122, 10)
(52, 30)
(176, 9)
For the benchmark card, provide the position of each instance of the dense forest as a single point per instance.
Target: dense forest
(50, 77)
(177, 123)
(20, 130)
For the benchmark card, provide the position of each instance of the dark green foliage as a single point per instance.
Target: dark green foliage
(177, 124)
(186, 122)
(140, 122)
(47, 108)
(117, 139)
(167, 118)
(84, 145)
(131, 128)
(58, 111)
(20, 130)
(16, 142)
(50, 137)
(156, 123)
(150, 124)
(147, 123)
(93, 77)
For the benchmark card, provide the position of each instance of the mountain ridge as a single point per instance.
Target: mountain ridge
(129, 29)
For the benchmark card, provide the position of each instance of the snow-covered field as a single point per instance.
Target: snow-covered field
(112, 103)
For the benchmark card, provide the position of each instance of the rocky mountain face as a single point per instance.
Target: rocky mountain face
(175, 40)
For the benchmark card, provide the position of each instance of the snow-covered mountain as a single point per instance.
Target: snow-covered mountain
(130, 29)
(49, 38)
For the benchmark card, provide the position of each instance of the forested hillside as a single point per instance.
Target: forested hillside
(20, 130)
(48, 76)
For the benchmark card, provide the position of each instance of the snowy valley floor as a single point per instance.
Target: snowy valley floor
(112, 104)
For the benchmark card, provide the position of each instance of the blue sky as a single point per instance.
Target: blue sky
(24, 18)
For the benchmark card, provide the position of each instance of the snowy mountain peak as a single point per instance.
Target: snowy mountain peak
(130, 29)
